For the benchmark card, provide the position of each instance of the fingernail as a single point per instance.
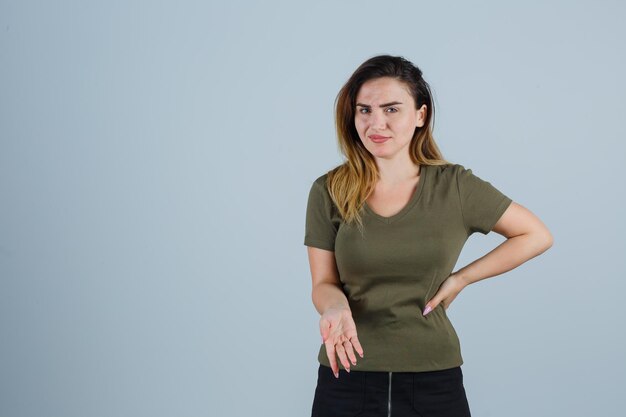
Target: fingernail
(336, 374)
(427, 310)
(353, 362)
(348, 370)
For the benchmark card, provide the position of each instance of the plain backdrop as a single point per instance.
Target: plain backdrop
(155, 161)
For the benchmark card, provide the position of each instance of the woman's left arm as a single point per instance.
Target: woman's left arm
(527, 237)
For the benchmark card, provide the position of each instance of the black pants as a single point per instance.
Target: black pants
(397, 394)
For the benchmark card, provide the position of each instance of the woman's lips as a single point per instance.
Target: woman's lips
(378, 138)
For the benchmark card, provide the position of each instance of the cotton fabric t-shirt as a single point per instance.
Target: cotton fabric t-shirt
(397, 265)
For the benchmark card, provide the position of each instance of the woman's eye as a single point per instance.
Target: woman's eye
(366, 110)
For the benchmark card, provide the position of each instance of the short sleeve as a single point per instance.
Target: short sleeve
(321, 225)
(482, 204)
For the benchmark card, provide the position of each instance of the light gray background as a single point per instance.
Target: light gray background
(156, 157)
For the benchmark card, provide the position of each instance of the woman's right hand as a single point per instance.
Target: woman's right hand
(339, 335)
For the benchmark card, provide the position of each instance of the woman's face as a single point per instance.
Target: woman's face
(384, 108)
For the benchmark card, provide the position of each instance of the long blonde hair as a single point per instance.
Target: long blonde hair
(350, 183)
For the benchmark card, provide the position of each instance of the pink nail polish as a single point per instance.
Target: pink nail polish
(427, 310)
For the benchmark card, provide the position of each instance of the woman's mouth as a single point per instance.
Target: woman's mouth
(378, 138)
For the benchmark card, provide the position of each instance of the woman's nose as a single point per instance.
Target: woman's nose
(378, 120)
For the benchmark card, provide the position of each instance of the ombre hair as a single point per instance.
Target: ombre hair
(351, 183)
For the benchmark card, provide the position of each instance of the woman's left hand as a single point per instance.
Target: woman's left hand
(447, 292)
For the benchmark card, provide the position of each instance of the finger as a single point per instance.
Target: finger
(350, 351)
(330, 352)
(341, 352)
(357, 345)
(430, 306)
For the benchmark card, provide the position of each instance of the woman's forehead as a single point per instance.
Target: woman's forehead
(382, 90)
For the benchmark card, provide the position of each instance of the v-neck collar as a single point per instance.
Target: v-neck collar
(414, 198)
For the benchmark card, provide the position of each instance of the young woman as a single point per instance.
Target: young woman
(384, 230)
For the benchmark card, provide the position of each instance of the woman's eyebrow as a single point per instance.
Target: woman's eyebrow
(382, 105)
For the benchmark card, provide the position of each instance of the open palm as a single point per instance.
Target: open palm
(340, 337)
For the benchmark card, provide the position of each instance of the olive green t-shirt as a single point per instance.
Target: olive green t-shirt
(397, 265)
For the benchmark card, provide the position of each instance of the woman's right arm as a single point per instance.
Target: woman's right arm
(326, 289)
(337, 327)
